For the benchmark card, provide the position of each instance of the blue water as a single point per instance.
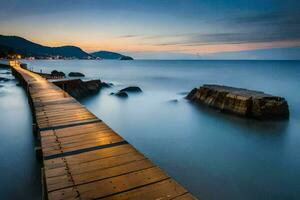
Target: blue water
(214, 155)
(19, 169)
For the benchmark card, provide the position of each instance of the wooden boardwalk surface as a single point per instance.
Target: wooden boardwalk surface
(83, 158)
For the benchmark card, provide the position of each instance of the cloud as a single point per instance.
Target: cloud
(255, 28)
(273, 25)
(128, 36)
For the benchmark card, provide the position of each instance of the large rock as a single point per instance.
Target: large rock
(78, 88)
(240, 101)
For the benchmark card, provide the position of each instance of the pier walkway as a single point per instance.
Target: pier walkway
(83, 158)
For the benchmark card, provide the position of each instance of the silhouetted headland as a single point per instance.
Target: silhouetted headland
(12, 45)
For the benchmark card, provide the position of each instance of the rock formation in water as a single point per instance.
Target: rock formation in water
(106, 85)
(121, 94)
(56, 73)
(131, 89)
(78, 88)
(124, 92)
(240, 101)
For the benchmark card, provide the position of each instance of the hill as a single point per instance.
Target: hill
(110, 55)
(27, 48)
(5, 50)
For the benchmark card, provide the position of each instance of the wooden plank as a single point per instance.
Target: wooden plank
(187, 196)
(110, 186)
(98, 141)
(63, 181)
(163, 190)
(95, 164)
(47, 126)
(78, 130)
(76, 139)
(88, 156)
(49, 140)
(79, 146)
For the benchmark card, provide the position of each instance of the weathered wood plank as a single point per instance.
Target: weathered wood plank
(89, 156)
(95, 164)
(163, 190)
(59, 182)
(107, 187)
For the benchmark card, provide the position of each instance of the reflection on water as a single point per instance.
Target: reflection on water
(19, 170)
(272, 128)
(215, 155)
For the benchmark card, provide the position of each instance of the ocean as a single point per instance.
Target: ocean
(214, 155)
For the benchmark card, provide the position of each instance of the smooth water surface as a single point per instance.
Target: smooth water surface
(214, 155)
(19, 169)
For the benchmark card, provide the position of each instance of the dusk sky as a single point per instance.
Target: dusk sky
(250, 29)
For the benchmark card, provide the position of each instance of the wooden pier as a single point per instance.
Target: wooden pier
(82, 157)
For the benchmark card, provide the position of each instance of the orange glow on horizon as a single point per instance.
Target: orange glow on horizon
(136, 46)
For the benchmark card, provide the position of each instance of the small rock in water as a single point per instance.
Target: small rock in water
(57, 73)
(131, 89)
(76, 74)
(173, 101)
(121, 94)
(2, 79)
(106, 85)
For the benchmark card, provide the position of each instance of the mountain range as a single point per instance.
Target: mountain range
(18, 45)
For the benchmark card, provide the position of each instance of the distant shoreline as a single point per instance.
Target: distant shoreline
(5, 59)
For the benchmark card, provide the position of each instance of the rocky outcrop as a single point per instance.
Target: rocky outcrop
(78, 88)
(240, 101)
(76, 74)
(106, 85)
(56, 73)
(121, 94)
(124, 92)
(131, 89)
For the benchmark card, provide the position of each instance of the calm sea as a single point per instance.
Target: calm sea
(214, 155)
(19, 169)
